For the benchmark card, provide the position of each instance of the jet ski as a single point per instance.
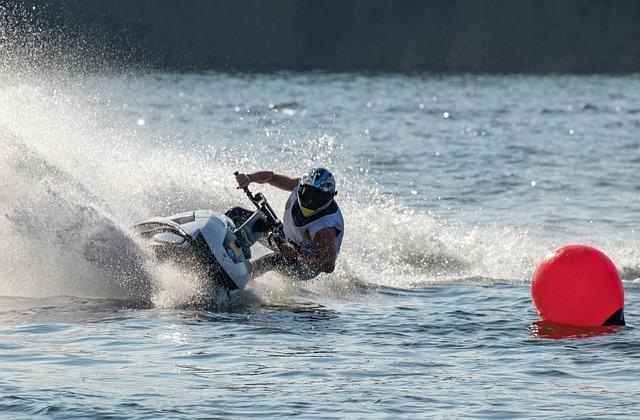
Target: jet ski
(211, 244)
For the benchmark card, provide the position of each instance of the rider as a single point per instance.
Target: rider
(313, 224)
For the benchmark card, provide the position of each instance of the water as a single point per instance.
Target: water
(453, 188)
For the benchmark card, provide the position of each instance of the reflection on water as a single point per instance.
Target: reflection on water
(289, 318)
(547, 329)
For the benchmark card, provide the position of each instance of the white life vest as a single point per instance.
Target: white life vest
(303, 235)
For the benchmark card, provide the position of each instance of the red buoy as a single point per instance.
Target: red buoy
(578, 285)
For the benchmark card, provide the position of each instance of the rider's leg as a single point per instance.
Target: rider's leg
(277, 262)
(270, 262)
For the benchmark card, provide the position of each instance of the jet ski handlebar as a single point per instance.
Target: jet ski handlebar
(254, 199)
(261, 204)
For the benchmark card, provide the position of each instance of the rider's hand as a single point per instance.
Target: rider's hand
(243, 180)
(288, 251)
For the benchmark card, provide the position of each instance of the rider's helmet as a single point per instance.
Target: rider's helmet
(315, 191)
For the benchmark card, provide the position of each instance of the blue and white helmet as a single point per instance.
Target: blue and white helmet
(321, 179)
(315, 191)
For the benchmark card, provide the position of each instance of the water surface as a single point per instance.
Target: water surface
(453, 189)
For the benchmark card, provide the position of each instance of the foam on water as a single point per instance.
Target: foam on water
(75, 177)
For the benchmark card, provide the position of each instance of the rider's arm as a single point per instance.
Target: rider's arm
(324, 259)
(283, 182)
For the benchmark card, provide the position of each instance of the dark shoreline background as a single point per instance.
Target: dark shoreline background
(491, 36)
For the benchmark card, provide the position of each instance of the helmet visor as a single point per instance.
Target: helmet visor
(313, 198)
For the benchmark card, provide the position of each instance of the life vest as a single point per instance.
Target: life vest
(301, 230)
